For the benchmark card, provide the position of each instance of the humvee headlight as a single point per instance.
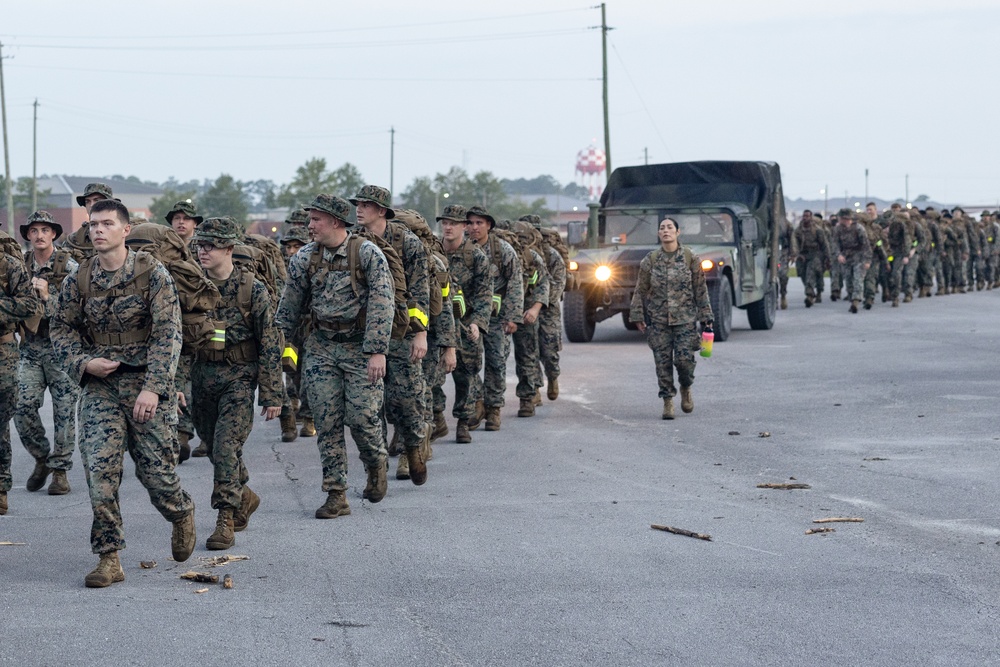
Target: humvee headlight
(602, 273)
(573, 266)
(707, 265)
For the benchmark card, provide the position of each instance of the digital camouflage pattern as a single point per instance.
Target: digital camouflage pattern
(188, 208)
(811, 249)
(378, 196)
(95, 189)
(18, 301)
(224, 382)
(851, 241)
(336, 353)
(550, 320)
(508, 287)
(527, 363)
(36, 372)
(442, 334)
(297, 217)
(107, 428)
(900, 244)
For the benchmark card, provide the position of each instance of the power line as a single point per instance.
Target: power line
(641, 100)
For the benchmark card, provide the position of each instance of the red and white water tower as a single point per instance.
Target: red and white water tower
(591, 165)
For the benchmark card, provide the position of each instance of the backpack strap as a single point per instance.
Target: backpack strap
(138, 285)
(244, 298)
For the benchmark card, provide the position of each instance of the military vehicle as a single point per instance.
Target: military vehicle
(728, 214)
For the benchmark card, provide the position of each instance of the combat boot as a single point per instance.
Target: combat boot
(868, 303)
(335, 505)
(403, 467)
(854, 306)
(36, 479)
(289, 432)
(809, 302)
(295, 407)
(462, 434)
(537, 400)
(308, 429)
(201, 450)
(784, 302)
(183, 448)
(425, 446)
(418, 471)
(440, 426)
(527, 408)
(941, 291)
(249, 502)
(108, 571)
(895, 302)
(477, 418)
(819, 297)
(961, 289)
(834, 296)
(224, 537)
(492, 419)
(183, 537)
(377, 483)
(687, 400)
(3, 503)
(668, 408)
(394, 448)
(979, 286)
(59, 486)
(908, 297)
(553, 391)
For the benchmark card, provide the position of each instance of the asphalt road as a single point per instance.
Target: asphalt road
(532, 546)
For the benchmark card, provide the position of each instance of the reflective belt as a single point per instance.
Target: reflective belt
(419, 314)
(534, 278)
(459, 299)
(497, 300)
(291, 355)
(445, 290)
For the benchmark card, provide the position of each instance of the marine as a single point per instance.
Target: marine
(295, 406)
(810, 247)
(853, 254)
(535, 278)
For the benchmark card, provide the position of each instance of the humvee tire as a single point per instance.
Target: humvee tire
(721, 297)
(579, 327)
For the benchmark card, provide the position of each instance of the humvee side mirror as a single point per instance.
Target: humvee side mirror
(748, 229)
(575, 231)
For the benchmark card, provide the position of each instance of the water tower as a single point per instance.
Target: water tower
(590, 170)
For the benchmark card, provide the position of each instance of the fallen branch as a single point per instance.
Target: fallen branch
(201, 577)
(782, 485)
(218, 561)
(13, 544)
(840, 519)
(681, 531)
(813, 531)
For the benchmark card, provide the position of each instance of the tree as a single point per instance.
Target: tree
(162, 204)
(313, 178)
(262, 194)
(225, 197)
(21, 193)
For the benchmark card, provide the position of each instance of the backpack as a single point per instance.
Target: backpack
(401, 311)
(244, 351)
(78, 244)
(11, 248)
(60, 269)
(196, 294)
(437, 263)
(272, 251)
(257, 262)
(551, 238)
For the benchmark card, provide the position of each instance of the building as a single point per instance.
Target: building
(63, 191)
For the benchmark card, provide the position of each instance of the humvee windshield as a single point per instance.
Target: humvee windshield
(639, 228)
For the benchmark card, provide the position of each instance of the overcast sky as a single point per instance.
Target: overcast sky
(253, 89)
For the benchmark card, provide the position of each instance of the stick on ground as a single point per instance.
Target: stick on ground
(840, 519)
(813, 531)
(783, 485)
(681, 531)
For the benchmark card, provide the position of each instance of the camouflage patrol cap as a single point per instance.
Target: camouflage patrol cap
(41, 218)
(186, 207)
(220, 232)
(331, 205)
(95, 189)
(376, 195)
(845, 213)
(297, 216)
(296, 234)
(504, 224)
(482, 213)
(532, 219)
(454, 212)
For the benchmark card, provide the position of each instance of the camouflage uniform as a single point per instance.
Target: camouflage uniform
(930, 259)
(878, 246)
(971, 263)
(442, 334)
(78, 243)
(114, 317)
(900, 245)
(337, 349)
(38, 370)
(508, 289)
(785, 258)
(224, 381)
(298, 233)
(993, 241)
(536, 290)
(811, 248)
(831, 263)
(471, 294)
(18, 302)
(918, 233)
(671, 298)
(851, 241)
(550, 321)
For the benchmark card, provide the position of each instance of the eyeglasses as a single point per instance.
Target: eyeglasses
(205, 246)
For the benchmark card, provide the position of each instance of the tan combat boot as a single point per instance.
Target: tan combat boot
(335, 505)
(538, 398)
(687, 401)
(308, 429)
(108, 571)
(493, 419)
(377, 483)
(201, 450)
(3, 503)
(668, 408)
(224, 536)
(462, 434)
(907, 298)
(249, 502)
(59, 486)
(417, 469)
(553, 391)
(36, 479)
(784, 302)
(425, 447)
(527, 408)
(854, 306)
(403, 467)
(183, 449)
(289, 432)
(183, 537)
(477, 418)
(440, 426)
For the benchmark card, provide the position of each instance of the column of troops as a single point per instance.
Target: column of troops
(900, 253)
(148, 335)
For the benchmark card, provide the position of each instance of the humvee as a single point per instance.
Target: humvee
(728, 213)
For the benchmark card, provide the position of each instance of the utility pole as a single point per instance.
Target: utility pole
(34, 159)
(645, 154)
(866, 185)
(607, 130)
(392, 159)
(6, 151)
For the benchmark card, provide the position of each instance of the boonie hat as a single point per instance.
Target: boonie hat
(296, 234)
(95, 189)
(42, 218)
(454, 212)
(378, 196)
(534, 220)
(483, 213)
(186, 207)
(297, 216)
(220, 232)
(331, 205)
